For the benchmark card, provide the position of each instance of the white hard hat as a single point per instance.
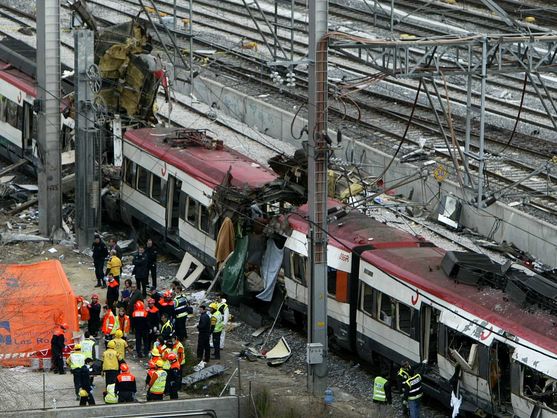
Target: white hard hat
(223, 300)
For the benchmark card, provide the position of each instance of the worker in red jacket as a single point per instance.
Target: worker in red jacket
(125, 385)
(174, 378)
(153, 319)
(112, 291)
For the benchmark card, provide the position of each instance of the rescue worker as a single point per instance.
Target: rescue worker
(125, 385)
(151, 252)
(114, 266)
(153, 320)
(165, 350)
(99, 255)
(124, 323)
(88, 346)
(225, 311)
(75, 362)
(403, 374)
(412, 392)
(166, 305)
(181, 310)
(217, 326)
(166, 326)
(110, 394)
(151, 367)
(57, 344)
(157, 383)
(141, 270)
(140, 325)
(94, 322)
(120, 345)
(83, 309)
(134, 297)
(86, 389)
(110, 324)
(112, 291)
(111, 364)
(382, 391)
(178, 349)
(204, 329)
(174, 378)
(154, 294)
(155, 355)
(113, 246)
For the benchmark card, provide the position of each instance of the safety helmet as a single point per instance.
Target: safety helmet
(151, 364)
(94, 296)
(119, 333)
(83, 393)
(139, 305)
(168, 294)
(159, 363)
(214, 305)
(111, 344)
(64, 325)
(155, 352)
(124, 367)
(77, 347)
(171, 357)
(150, 300)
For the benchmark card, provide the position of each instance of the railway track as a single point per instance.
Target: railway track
(514, 169)
(536, 185)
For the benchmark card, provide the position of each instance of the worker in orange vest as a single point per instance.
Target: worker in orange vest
(141, 327)
(112, 291)
(83, 309)
(110, 324)
(123, 322)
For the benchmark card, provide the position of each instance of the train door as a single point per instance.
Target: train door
(173, 207)
(500, 375)
(429, 334)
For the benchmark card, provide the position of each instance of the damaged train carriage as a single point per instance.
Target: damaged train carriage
(391, 295)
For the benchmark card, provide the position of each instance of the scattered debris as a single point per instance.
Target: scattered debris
(190, 270)
(8, 237)
(206, 373)
(259, 331)
(52, 250)
(279, 354)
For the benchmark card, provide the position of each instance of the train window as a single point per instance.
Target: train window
(367, 299)
(156, 188)
(205, 223)
(462, 350)
(142, 180)
(298, 267)
(12, 114)
(191, 211)
(129, 172)
(404, 318)
(385, 309)
(3, 102)
(331, 281)
(540, 387)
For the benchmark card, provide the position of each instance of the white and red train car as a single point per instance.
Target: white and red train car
(389, 298)
(18, 121)
(169, 187)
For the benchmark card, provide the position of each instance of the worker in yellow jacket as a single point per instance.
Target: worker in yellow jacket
(114, 265)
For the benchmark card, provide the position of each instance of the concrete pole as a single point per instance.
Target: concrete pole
(481, 152)
(48, 92)
(317, 196)
(86, 182)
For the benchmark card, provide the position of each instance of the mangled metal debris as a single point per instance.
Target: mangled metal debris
(279, 354)
(206, 373)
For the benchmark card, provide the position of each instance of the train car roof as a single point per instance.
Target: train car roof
(17, 78)
(355, 229)
(206, 165)
(421, 267)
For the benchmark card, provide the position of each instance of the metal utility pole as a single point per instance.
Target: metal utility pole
(317, 196)
(48, 89)
(86, 183)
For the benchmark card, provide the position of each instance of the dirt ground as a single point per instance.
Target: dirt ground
(22, 388)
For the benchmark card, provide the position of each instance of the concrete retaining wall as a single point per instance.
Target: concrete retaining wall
(508, 224)
(225, 407)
